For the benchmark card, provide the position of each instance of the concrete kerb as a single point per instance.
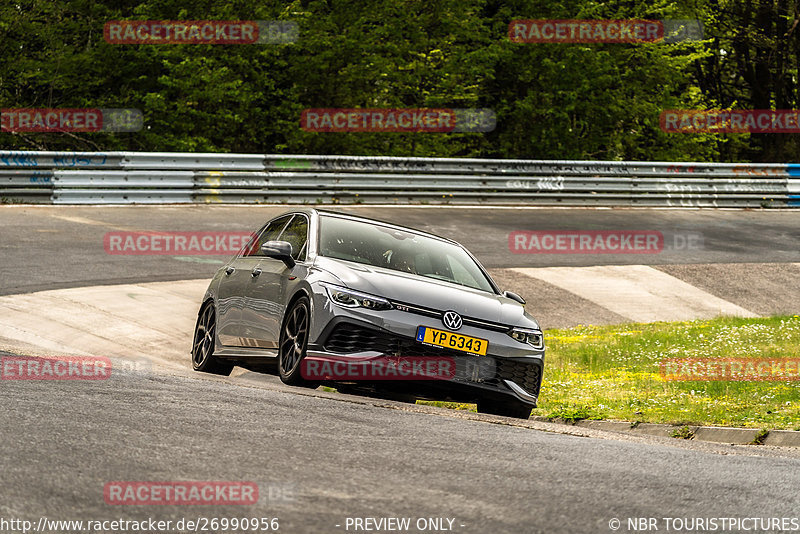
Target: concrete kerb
(782, 438)
(711, 434)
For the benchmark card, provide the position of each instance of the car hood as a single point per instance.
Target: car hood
(427, 292)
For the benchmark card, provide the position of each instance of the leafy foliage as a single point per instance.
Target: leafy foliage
(576, 101)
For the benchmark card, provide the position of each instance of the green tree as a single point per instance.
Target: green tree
(580, 101)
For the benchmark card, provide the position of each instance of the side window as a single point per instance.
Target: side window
(270, 233)
(296, 233)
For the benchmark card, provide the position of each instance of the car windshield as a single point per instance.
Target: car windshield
(399, 250)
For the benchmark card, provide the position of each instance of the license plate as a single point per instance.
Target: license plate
(451, 340)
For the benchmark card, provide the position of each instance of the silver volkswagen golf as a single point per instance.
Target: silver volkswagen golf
(370, 307)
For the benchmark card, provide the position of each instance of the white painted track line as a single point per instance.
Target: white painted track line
(152, 321)
(640, 293)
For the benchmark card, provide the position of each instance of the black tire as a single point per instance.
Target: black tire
(203, 358)
(509, 408)
(293, 343)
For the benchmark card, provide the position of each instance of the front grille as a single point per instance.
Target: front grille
(525, 375)
(492, 371)
(347, 338)
(430, 312)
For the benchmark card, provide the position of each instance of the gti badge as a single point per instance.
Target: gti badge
(452, 320)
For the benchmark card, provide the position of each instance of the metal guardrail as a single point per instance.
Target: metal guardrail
(154, 177)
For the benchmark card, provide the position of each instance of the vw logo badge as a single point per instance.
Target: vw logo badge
(452, 320)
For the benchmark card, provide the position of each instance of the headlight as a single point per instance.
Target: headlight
(349, 298)
(534, 338)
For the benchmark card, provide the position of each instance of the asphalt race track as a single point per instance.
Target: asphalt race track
(333, 459)
(64, 245)
(320, 458)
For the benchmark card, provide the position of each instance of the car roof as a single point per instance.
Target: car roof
(383, 223)
(318, 212)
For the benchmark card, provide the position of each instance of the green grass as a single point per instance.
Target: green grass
(613, 372)
(683, 432)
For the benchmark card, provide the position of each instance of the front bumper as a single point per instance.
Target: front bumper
(496, 376)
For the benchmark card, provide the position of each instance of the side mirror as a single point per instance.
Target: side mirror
(514, 296)
(280, 250)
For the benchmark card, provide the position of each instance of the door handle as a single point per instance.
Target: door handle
(229, 271)
(256, 272)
